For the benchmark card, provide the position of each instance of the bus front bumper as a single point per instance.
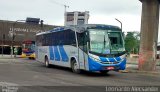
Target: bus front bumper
(98, 66)
(28, 55)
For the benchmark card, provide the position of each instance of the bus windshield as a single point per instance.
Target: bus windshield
(28, 46)
(105, 41)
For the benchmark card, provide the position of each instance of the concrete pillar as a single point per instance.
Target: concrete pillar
(149, 35)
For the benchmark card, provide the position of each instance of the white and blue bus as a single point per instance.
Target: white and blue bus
(91, 47)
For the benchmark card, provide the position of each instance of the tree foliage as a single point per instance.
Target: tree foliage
(132, 41)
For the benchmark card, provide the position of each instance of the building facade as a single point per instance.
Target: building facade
(14, 33)
(76, 18)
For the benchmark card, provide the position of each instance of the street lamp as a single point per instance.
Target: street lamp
(119, 22)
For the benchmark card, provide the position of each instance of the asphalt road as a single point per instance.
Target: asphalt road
(33, 76)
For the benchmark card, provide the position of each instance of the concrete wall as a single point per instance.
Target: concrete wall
(149, 35)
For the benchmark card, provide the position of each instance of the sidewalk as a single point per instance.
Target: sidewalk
(135, 61)
(132, 67)
(8, 56)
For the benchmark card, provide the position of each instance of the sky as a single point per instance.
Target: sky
(52, 11)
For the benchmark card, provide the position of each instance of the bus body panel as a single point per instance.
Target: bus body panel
(42, 51)
(89, 64)
(60, 54)
(64, 55)
(118, 63)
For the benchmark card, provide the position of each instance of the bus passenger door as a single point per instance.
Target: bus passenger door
(82, 51)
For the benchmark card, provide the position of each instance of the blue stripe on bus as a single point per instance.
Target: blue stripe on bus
(110, 59)
(51, 53)
(57, 56)
(63, 54)
(103, 59)
(118, 58)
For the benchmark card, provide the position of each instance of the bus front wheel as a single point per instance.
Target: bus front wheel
(104, 72)
(75, 67)
(47, 62)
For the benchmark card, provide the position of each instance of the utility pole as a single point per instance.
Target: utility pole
(3, 39)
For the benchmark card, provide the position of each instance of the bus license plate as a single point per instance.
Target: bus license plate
(110, 68)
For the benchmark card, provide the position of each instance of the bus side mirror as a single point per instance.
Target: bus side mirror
(123, 34)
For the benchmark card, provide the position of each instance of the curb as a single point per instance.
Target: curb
(7, 58)
(158, 64)
(133, 68)
(137, 71)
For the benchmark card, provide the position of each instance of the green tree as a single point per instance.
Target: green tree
(132, 42)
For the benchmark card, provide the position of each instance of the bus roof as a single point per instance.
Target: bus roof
(82, 28)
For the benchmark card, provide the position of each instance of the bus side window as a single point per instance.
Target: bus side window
(72, 38)
(39, 40)
(52, 39)
(61, 38)
(69, 37)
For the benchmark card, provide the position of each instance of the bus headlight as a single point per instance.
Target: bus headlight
(121, 60)
(95, 59)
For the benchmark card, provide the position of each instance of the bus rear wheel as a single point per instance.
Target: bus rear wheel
(75, 67)
(47, 62)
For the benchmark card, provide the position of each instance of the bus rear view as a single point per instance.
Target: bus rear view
(91, 47)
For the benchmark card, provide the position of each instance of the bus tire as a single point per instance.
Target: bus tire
(74, 67)
(47, 62)
(104, 72)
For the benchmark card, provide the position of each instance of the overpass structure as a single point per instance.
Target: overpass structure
(149, 35)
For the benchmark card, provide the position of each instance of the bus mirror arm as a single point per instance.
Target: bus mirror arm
(87, 48)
